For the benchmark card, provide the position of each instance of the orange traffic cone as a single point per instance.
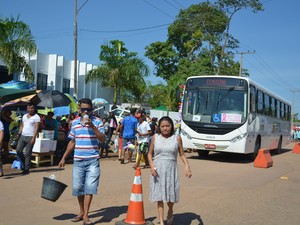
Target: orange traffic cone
(135, 213)
(296, 148)
(263, 159)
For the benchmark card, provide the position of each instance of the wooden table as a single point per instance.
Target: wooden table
(42, 157)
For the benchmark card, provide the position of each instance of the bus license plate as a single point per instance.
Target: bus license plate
(210, 146)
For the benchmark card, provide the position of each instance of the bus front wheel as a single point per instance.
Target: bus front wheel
(203, 153)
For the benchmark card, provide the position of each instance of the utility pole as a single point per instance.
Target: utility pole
(293, 102)
(76, 11)
(75, 48)
(241, 60)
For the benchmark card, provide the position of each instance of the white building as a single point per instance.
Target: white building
(54, 72)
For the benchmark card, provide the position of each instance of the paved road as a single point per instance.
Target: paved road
(225, 190)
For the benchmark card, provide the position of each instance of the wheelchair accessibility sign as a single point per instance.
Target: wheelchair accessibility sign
(216, 118)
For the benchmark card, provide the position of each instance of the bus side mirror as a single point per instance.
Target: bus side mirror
(251, 117)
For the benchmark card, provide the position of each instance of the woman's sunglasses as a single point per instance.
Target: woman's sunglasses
(86, 109)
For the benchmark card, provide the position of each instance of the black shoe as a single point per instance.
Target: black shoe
(25, 172)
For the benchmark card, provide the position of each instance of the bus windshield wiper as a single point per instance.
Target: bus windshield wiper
(227, 93)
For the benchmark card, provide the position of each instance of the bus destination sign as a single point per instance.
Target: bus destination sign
(216, 82)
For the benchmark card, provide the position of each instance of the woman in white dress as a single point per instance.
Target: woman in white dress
(164, 181)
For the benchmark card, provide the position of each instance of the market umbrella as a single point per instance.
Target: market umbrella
(16, 84)
(16, 106)
(65, 110)
(99, 101)
(73, 105)
(7, 95)
(50, 99)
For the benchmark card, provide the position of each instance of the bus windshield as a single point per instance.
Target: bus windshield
(215, 104)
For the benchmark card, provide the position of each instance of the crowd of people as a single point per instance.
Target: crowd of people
(91, 137)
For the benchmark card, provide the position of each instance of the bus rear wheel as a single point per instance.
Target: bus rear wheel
(203, 153)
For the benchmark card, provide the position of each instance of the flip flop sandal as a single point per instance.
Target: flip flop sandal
(77, 219)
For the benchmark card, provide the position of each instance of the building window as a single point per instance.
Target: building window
(41, 83)
(66, 86)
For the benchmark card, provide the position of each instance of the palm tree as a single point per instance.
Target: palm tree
(15, 39)
(121, 70)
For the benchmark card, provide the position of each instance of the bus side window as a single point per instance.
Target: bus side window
(260, 102)
(277, 109)
(252, 99)
(267, 108)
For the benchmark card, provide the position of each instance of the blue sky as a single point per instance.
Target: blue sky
(273, 34)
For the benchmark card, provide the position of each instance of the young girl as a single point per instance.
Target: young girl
(164, 180)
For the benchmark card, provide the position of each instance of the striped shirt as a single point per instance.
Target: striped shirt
(86, 142)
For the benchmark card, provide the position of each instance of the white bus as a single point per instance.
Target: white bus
(233, 114)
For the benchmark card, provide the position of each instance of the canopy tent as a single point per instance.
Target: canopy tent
(7, 95)
(161, 108)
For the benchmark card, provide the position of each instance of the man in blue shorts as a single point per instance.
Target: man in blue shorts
(128, 126)
(85, 134)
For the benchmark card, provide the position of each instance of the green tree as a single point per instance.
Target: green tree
(231, 7)
(121, 70)
(200, 32)
(15, 39)
(196, 33)
(155, 94)
(199, 43)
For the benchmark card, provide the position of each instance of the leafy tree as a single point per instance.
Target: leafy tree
(120, 69)
(16, 38)
(199, 43)
(231, 7)
(196, 33)
(155, 95)
(164, 57)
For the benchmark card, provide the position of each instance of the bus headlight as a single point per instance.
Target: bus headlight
(186, 134)
(238, 138)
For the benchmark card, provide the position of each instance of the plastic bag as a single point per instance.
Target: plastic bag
(14, 141)
(116, 143)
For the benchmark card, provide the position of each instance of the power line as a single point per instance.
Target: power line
(158, 9)
(271, 71)
(263, 63)
(266, 75)
(124, 31)
(178, 3)
(171, 5)
(122, 35)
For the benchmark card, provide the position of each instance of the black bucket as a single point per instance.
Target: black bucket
(52, 189)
